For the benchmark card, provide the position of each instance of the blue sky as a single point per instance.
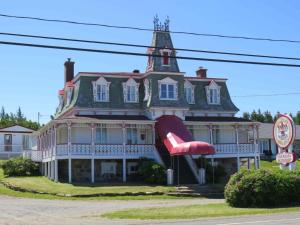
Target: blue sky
(30, 78)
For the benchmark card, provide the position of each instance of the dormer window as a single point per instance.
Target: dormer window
(165, 56)
(168, 89)
(131, 91)
(61, 94)
(213, 93)
(69, 96)
(189, 90)
(101, 90)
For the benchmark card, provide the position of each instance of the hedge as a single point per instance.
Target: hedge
(151, 172)
(20, 167)
(263, 188)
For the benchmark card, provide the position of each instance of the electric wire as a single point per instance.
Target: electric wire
(147, 29)
(146, 46)
(145, 54)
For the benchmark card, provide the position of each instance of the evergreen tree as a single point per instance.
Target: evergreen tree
(246, 115)
(297, 118)
(19, 115)
(2, 113)
(268, 117)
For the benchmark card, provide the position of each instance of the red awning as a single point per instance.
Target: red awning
(178, 140)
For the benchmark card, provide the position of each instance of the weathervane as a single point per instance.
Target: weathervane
(158, 26)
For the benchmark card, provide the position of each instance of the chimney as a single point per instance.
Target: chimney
(201, 72)
(69, 70)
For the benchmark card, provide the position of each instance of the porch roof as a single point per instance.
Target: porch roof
(115, 117)
(216, 119)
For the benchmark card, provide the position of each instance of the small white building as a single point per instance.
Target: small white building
(15, 140)
(267, 145)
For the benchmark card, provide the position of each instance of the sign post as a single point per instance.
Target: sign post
(284, 136)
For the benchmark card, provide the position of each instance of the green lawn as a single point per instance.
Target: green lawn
(264, 164)
(192, 212)
(42, 184)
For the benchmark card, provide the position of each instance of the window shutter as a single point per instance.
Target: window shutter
(176, 91)
(124, 92)
(107, 92)
(137, 93)
(207, 94)
(95, 91)
(193, 94)
(218, 95)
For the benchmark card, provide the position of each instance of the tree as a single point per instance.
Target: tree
(297, 118)
(246, 115)
(2, 113)
(268, 117)
(19, 115)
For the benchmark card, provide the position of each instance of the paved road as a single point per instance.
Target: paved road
(19, 211)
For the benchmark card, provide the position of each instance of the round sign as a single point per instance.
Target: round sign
(284, 131)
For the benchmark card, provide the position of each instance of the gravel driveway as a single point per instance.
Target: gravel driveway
(37, 211)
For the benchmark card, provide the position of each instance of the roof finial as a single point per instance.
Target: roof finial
(158, 26)
(156, 22)
(167, 23)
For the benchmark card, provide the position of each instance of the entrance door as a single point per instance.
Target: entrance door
(7, 142)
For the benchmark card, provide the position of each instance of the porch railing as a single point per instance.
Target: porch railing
(243, 148)
(103, 150)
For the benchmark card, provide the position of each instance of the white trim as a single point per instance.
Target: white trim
(213, 86)
(168, 81)
(189, 85)
(131, 83)
(101, 81)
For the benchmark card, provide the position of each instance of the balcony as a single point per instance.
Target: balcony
(238, 149)
(105, 150)
(8, 151)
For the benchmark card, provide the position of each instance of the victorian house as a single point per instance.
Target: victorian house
(107, 121)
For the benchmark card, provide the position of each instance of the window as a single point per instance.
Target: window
(101, 135)
(25, 141)
(166, 58)
(189, 92)
(131, 136)
(213, 93)
(165, 53)
(131, 91)
(69, 96)
(168, 89)
(213, 96)
(130, 94)
(132, 168)
(188, 95)
(101, 90)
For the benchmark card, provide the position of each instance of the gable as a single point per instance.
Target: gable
(16, 129)
(168, 80)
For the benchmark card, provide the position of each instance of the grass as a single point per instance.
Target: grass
(273, 165)
(43, 184)
(192, 212)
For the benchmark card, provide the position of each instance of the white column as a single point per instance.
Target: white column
(153, 134)
(49, 170)
(93, 170)
(124, 152)
(52, 169)
(211, 134)
(93, 138)
(256, 153)
(45, 169)
(237, 147)
(70, 170)
(69, 139)
(55, 141)
(55, 170)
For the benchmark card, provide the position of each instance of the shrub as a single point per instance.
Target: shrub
(151, 172)
(20, 167)
(263, 188)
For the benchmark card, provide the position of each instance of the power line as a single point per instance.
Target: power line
(267, 95)
(147, 46)
(144, 54)
(147, 29)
